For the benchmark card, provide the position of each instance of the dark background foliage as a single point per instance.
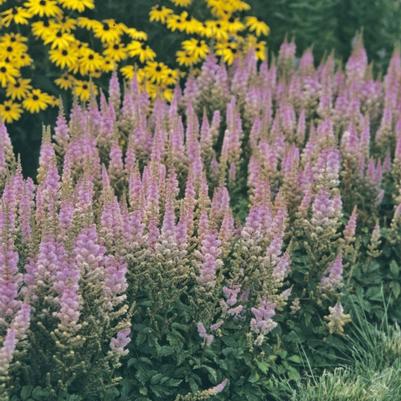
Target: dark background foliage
(324, 24)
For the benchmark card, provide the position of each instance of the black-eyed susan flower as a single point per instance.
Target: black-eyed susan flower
(181, 3)
(227, 50)
(64, 58)
(135, 34)
(16, 15)
(10, 111)
(109, 65)
(197, 48)
(219, 29)
(19, 89)
(8, 74)
(84, 90)
(89, 61)
(108, 31)
(257, 26)
(171, 77)
(260, 50)
(160, 14)
(156, 71)
(115, 51)
(185, 59)
(58, 39)
(43, 8)
(77, 5)
(128, 72)
(37, 101)
(65, 81)
(140, 50)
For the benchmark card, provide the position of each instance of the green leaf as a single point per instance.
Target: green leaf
(295, 359)
(26, 391)
(394, 268)
(263, 366)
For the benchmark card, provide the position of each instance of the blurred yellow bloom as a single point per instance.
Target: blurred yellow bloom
(181, 3)
(58, 39)
(8, 74)
(141, 50)
(116, 52)
(19, 89)
(10, 111)
(77, 5)
(135, 34)
(196, 48)
(37, 101)
(108, 31)
(128, 72)
(89, 61)
(227, 51)
(257, 26)
(17, 15)
(65, 82)
(84, 90)
(43, 8)
(159, 14)
(219, 29)
(185, 59)
(156, 72)
(64, 58)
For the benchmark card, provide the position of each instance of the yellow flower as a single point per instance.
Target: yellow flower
(135, 34)
(159, 14)
(259, 27)
(18, 15)
(77, 5)
(22, 60)
(168, 94)
(87, 23)
(227, 51)
(155, 71)
(116, 52)
(181, 3)
(182, 22)
(64, 24)
(184, 58)
(196, 48)
(58, 39)
(8, 74)
(64, 58)
(108, 31)
(43, 8)
(37, 101)
(219, 29)
(41, 28)
(171, 77)
(65, 82)
(140, 50)
(19, 89)
(90, 61)
(84, 89)
(109, 65)
(128, 72)
(10, 111)
(260, 50)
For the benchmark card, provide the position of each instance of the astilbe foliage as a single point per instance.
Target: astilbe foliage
(196, 245)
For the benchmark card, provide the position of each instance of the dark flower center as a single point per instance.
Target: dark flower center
(35, 97)
(3, 70)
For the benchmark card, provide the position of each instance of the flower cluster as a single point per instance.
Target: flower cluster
(81, 50)
(225, 33)
(233, 211)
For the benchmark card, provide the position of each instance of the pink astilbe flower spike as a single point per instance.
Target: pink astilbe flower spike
(333, 276)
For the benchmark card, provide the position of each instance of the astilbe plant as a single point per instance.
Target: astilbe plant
(197, 244)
